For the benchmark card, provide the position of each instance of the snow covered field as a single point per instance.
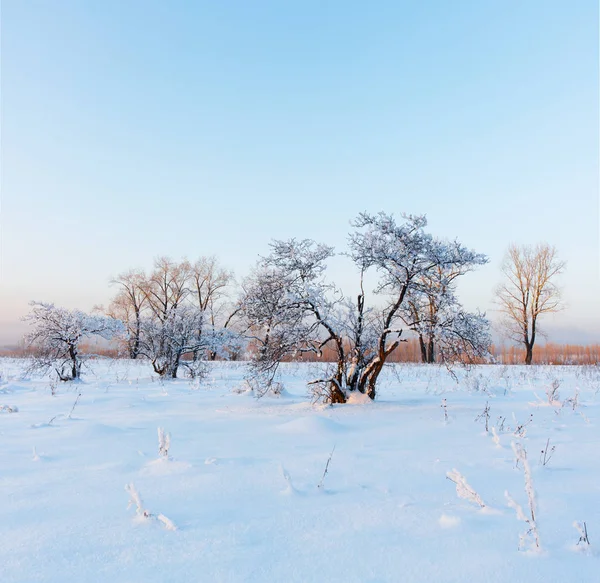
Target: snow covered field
(241, 482)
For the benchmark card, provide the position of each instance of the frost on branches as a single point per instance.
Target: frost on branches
(174, 316)
(291, 308)
(57, 334)
(463, 489)
(531, 534)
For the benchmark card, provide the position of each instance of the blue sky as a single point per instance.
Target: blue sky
(137, 129)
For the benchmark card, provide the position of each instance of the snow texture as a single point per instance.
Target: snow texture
(240, 484)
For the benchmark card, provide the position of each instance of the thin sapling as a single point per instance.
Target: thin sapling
(485, 416)
(321, 483)
(546, 453)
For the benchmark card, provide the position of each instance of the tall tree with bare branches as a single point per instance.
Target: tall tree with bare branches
(432, 310)
(173, 313)
(209, 286)
(128, 306)
(290, 307)
(529, 291)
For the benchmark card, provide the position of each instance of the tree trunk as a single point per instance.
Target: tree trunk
(74, 363)
(371, 390)
(430, 351)
(133, 343)
(136, 342)
(529, 345)
(423, 349)
(174, 367)
(336, 394)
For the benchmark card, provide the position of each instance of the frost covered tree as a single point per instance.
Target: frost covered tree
(127, 306)
(404, 255)
(167, 286)
(210, 284)
(170, 327)
(175, 313)
(529, 291)
(284, 305)
(57, 334)
(292, 308)
(433, 311)
(165, 340)
(174, 323)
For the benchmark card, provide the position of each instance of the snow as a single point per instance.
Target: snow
(237, 497)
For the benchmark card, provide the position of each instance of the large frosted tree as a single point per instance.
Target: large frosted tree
(292, 308)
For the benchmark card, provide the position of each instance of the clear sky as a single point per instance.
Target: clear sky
(132, 129)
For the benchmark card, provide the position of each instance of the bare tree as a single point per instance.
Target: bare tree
(174, 320)
(528, 291)
(128, 306)
(169, 327)
(165, 341)
(57, 334)
(167, 286)
(209, 284)
(172, 284)
(433, 312)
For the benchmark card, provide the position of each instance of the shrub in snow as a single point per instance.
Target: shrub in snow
(500, 423)
(164, 443)
(505, 375)
(531, 534)
(581, 527)
(477, 383)
(444, 406)
(573, 401)
(52, 386)
(521, 428)
(136, 500)
(463, 489)
(552, 392)
(484, 416)
(167, 522)
(495, 437)
(546, 453)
